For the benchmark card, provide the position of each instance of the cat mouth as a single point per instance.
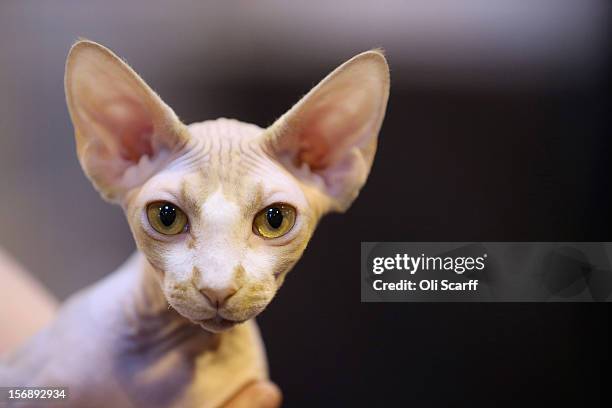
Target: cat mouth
(217, 323)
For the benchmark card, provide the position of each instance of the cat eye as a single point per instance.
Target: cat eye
(274, 221)
(166, 218)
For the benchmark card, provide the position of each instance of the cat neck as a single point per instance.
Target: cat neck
(151, 325)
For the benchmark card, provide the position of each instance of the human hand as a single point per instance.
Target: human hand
(259, 394)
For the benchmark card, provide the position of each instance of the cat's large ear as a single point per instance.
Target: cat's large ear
(123, 130)
(328, 139)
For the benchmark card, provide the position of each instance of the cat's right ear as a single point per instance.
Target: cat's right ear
(124, 131)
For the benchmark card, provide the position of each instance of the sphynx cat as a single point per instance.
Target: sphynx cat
(220, 211)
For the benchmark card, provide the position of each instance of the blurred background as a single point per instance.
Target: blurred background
(498, 128)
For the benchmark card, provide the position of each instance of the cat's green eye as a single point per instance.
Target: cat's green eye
(274, 221)
(166, 218)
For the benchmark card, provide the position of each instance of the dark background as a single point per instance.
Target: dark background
(498, 129)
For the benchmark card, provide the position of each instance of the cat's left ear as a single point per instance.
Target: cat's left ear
(328, 139)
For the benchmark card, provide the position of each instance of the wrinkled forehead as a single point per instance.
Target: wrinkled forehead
(223, 129)
(226, 157)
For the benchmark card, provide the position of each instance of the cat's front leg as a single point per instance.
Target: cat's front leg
(232, 373)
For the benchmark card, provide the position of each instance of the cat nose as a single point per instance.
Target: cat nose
(218, 296)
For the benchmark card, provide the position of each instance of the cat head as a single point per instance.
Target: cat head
(222, 209)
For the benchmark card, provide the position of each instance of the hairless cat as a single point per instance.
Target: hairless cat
(220, 211)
